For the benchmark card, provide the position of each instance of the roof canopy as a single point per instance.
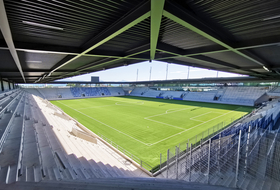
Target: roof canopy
(45, 40)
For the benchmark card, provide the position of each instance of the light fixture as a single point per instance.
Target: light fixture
(265, 68)
(34, 61)
(42, 25)
(270, 18)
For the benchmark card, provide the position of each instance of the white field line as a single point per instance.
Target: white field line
(192, 118)
(135, 102)
(168, 112)
(164, 123)
(131, 103)
(116, 104)
(104, 124)
(96, 107)
(148, 118)
(192, 127)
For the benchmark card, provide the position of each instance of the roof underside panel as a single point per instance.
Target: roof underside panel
(244, 19)
(81, 61)
(271, 53)
(233, 58)
(74, 17)
(177, 35)
(133, 37)
(7, 61)
(197, 63)
(38, 60)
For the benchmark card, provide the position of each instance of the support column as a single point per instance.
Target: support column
(247, 149)
(177, 160)
(186, 169)
(190, 170)
(167, 160)
(237, 160)
(2, 85)
(13, 85)
(9, 84)
(209, 157)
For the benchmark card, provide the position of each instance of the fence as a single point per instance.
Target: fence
(196, 141)
(232, 161)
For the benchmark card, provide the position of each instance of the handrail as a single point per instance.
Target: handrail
(20, 157)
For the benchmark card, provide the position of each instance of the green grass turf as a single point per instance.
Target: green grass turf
(147, 127)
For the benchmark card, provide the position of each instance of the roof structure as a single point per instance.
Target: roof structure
(42, 41)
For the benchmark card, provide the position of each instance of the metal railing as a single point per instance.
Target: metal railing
(196, 141)
(231, 161)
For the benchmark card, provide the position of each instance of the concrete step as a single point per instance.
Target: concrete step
(80, 174)
(252, 184)
(267, 184)
(3, 174)
(275, 185)
(51, 174)
(68, 174)
(57, 174)
(37, 174)
(23, 174)
(245, 182)
(258, 185)
(30, 173)
(11, 174)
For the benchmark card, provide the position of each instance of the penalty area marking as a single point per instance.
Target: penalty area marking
(192, 127)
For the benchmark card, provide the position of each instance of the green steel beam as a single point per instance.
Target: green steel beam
(210, 37)
(112, 31)
(156, 15)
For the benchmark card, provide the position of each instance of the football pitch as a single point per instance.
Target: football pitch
(147, 127)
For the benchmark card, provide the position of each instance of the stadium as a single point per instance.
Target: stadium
(192, 133)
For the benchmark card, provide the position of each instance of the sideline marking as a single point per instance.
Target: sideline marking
(104, 123)
(129, 103)
(193, 127)
(96, 107)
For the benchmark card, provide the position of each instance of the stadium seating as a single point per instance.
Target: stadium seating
(172, 93)
(243, 94)
(202, 96)
(38, 145)
(226, 95)
(139, 91)
(151, 93)
(243, 160)
(116, 91)
(76, 92)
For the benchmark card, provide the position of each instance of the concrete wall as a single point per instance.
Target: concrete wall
(6, 85)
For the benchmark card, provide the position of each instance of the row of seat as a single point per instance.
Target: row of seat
(39, 146)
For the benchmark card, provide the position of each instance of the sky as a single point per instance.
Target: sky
(129, 73)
